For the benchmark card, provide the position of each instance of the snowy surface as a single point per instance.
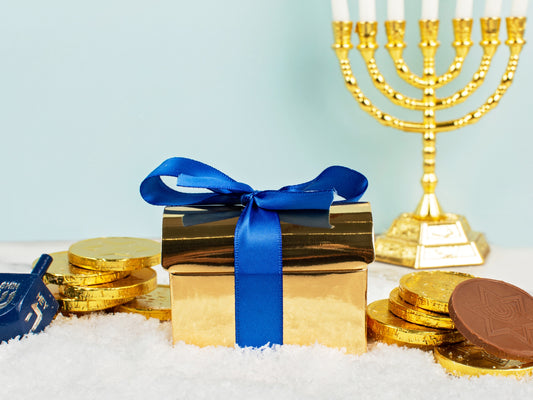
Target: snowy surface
(123, 356)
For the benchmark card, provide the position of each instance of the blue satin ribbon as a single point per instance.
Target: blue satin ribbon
(257, 243)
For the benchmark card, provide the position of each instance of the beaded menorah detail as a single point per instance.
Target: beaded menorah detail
(428, 237)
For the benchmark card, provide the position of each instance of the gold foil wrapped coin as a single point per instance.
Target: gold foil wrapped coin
(71, 305)
(136, 284)
(155, 304)
(115, 253)
(384, 326)
(430, 290)
(417, 315)
(466, 359)
(61, 272)
(82, 306)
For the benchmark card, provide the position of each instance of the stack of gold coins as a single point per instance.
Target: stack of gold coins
(416, 312)
(99, 274)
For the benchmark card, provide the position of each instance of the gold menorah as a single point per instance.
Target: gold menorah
(429, 238)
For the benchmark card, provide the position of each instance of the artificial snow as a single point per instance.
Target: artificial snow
(126, 356)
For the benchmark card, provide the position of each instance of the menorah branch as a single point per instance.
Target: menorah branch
(515, 42)
(367, 46)
(365, 103)
(395, 45)
(342, 45)
(429, 103)
(490, 103)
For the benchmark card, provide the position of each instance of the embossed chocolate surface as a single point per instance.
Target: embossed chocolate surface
(496, 316)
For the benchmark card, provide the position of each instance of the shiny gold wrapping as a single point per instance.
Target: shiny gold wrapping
(324, 278)
(321, 304)
(350, 239)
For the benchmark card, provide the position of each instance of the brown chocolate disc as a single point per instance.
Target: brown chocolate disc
(496, 316)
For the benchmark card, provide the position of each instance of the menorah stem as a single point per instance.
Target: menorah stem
(428, 207)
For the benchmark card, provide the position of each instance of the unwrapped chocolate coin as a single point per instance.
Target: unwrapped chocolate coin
(496, 316)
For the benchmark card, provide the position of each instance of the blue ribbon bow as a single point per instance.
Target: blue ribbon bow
(257, 243)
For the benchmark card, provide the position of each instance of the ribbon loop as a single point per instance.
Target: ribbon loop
(257, 243)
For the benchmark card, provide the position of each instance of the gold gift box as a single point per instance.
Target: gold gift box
(324, 277)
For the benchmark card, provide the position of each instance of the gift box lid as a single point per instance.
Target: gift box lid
(205, 236)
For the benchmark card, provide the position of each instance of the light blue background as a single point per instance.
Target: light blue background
(95, 94)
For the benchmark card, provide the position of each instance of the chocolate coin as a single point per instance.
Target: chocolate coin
(115, 253)
(155, 304)
(467, 359)
(496, 316)
(83, 306)
(386, 327)
(417, 315)
(430, 290)
(136, 284)
(61, 272)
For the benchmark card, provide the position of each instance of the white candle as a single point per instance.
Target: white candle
(430, 9)
(367, 10)
(395, 10)
(340, 10)
(519, 8)
(464, 9)
(493, 8)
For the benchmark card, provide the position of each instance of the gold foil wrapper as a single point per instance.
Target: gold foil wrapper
(322, 304)
(417, 315)
(386, 327)
(466, 359)
(211, 243)
(61, 272)
(83, 306)
(324, 276)
(115, 253)
(155, 304)
(430, 290)
(136, 284)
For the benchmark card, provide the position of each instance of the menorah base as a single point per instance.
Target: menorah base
(417, 243)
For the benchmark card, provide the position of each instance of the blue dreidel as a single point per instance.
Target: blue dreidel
(26, 304)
